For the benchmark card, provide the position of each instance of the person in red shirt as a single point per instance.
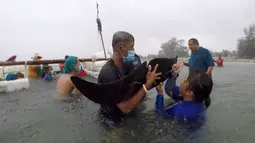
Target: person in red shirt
(219, 61)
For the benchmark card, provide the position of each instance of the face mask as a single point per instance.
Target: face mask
(79, 68)
(130, 57)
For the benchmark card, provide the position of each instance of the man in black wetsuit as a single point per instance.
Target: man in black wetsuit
(124, 60)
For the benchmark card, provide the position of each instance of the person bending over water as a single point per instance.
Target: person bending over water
(12, 76)
(64, 84)
(192, 97)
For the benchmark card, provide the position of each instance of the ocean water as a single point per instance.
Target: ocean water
(34, 116)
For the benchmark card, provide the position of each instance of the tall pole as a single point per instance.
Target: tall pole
(99, 26)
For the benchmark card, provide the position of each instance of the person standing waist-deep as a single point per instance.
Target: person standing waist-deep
(200, 59)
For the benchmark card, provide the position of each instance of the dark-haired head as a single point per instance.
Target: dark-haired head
(193, 44)
(20, 75)
(66, 56)
(198, 87)
(122, 42)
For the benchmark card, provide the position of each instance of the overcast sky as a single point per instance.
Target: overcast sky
(54, 28)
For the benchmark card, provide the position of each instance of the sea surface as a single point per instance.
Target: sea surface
(34, 116)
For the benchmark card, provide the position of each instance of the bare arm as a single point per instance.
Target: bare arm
(186, 64)
(77, 91)
(209, 63)
(209, 70)
(129, 105)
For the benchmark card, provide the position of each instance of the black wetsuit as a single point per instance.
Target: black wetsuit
(110, 73)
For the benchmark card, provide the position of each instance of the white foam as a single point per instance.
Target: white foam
(14, 85)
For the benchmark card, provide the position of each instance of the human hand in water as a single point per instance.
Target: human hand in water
(159, 88)
(151, 76)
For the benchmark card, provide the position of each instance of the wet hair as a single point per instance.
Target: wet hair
(20, 75)
(194, 40)
(121, 36)
(201, 84)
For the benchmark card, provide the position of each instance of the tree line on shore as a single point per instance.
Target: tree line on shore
(245, 47)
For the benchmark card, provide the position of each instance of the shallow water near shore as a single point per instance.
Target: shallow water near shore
(34, 116)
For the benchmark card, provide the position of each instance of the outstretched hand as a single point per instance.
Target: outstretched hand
(159, 88)
(176, 68)
(151, 76)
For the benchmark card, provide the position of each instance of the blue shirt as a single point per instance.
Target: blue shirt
(48, 77)
(180, 110)
(200, 60)
(11, 76)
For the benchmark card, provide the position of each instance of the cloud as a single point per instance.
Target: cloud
(55, 28)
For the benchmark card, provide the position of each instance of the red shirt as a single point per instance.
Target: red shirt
(219, 62)
(82, 73)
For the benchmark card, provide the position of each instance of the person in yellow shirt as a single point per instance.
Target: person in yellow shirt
(33, 70)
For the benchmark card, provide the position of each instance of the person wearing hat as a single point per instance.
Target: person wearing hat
(33, 70)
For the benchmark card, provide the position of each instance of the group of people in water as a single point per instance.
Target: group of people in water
(191, 97)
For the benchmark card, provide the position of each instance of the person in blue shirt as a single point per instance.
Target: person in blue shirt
(12, 76)
(200, 58)
(191, 98)
(47, 75)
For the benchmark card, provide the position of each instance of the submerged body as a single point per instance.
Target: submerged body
(200, 60)
(191, 98)
(179, 109)
(34, 70)
(124, 56)
(47, 73)
(64, 86)
(109, 73)
(64, 83)
(219, 61)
